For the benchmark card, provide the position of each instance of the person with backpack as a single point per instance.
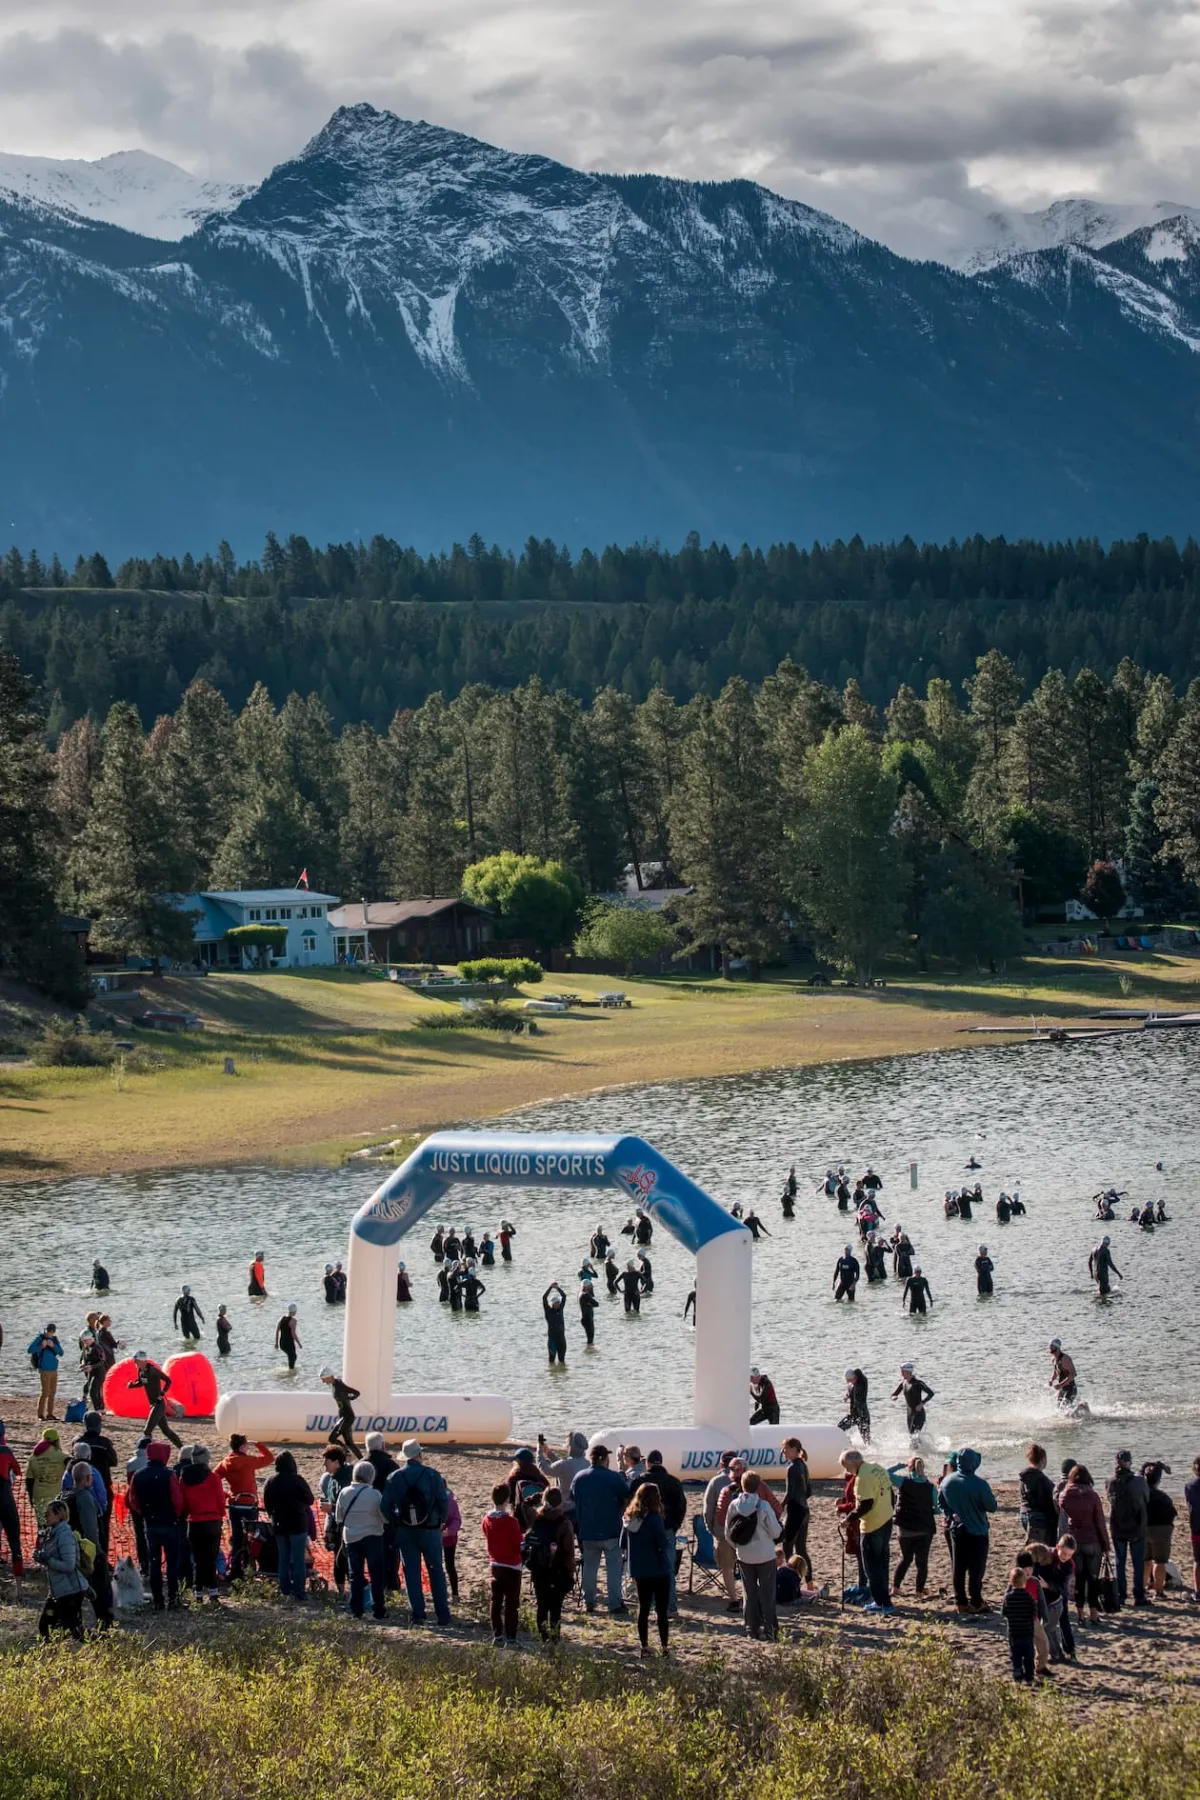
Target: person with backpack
(915, 1519)
(57, 1551)
(548, 1552)
(10, 1518)
(1039, 1508)
(753, 1529)
(651, 1552)
(155, 1494)
(238, 1471)
(44, 1471)
(156, 1384)
(359, 1521)
(84, 1514)
(45, 1353)
(1128, 1518)
(287, 1498)
(416, 1503)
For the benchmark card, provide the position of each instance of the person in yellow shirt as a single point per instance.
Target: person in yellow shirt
(873, 1510)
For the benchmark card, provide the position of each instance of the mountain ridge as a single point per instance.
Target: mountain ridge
(409, 330)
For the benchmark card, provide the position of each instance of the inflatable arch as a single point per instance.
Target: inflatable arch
(722, 1248)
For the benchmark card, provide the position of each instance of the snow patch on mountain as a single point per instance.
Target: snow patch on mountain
(1089, 223)
(131, 189)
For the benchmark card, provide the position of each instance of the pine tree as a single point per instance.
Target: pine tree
(200, 777)
(1177, 807)
(1156, 722)
(1154, 880)
(905, 716)
(431, 844)
(1037, 760)
(368, 835)
(32, 948)
(624, 774)
(847, 868)
(123, 861)
(995, 694)
(662, 727)
(1098, 767)
(271, 830)
(725, 831)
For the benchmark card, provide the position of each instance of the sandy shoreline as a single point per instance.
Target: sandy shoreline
(1133, 1658)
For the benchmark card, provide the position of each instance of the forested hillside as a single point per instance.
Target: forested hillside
(371, 628)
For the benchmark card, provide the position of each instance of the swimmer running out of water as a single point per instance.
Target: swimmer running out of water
(1063, 1378)
(916, 1393)
(846, 1274)
(858, 1415)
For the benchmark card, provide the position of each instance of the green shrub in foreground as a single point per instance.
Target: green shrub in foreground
(510, 969)
(260, 1713)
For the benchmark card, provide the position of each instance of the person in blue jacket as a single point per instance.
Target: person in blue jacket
(600, 1495)
(45, 1353)
(651, 1552)
(966, 1499)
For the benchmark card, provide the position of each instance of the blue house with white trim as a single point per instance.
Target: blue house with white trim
(309, 943)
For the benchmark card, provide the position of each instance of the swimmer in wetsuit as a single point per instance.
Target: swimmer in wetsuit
(343, 1398)
(443, 1281)
(790, 1184)
(287, 1336)
(1147, 1218)
(644, 1230)
(600, 1243)
(1160, 1213)
(916, 1393)
(646, 1271)
(875, 1260)
(917, 1295)
(950, 1204)
(487, 1251)
(846, 1274)
(556, 1324)
(843, 1194)
(787, 1203)
(612, 1272)
(689, 1306)
(766, 1401)
(1104, 1207)
(755, 1226)
(330, 1285)
(99, 1278)
(257, 1288)
(1016, 1206)
(983, 1271)
(587, 1311)
(1063, 1378)
(437, 1243)
(966, 1201)
(224, 1325)
(902, 1254)
(185, 1313)
(472, 1287)
(1003, 1209)
(508, 1232)
(858, 1416)
(470, 1249)
(630, 1284)
(403, 1285)
(1101, 1265)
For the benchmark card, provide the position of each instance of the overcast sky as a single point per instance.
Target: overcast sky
(893, 114)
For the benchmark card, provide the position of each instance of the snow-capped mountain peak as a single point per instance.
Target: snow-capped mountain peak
(129, 188)
(1089, 223)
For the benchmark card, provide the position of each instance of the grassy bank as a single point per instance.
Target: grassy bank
(316, 1712)
(326, 1061)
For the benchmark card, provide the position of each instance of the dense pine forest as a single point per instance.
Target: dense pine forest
(373, 628)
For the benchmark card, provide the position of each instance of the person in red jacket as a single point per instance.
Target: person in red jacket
(204, 1513)
(502, 1533)
(238, 1471)
(1081, 1503)
(10, 1520)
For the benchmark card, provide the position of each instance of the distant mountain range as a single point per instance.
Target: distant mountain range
(407, 330)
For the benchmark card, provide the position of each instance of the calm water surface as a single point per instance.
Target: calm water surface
(1057, 1123)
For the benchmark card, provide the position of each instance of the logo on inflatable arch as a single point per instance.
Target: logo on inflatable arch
(432, 1425)
(641, 1181)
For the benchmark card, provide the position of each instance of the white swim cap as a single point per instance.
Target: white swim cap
(326, 1373)
(983, 1249)
(291, 1308)
(754, 1371)
(850, 1374)
(1056, 1343)
(910, 1367)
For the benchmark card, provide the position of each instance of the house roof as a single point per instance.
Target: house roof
(383, 914)
(266, 896)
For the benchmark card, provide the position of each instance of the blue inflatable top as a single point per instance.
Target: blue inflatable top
(542, 1159)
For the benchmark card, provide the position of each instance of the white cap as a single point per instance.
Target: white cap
(326, 1373)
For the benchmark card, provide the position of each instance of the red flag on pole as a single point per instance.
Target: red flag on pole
(303, 880)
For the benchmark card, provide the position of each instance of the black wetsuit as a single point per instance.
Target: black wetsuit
(916, 1294)
(790, 1187)
(1003, 1211)
(787, 1201)
(766, 1404)
(1147, 1220)
(556, 1331)
(643, 1231)
(689, 1306)
(156, 1384)
(472, 1287)
(1100, 1264)
(647, 1274)
(487, 1253)
(1016, 1207)
(285, 1331)
(965, 1203)
(872, 1183)
(436, 1244)
(222, 1335)
(443, 1281)
(344, 1398)
(630, 1284)
(845, 1277)
(843, 1196)
(755, 1226)
(1068, 1390)
(330, 1282)
(612, 1273)
(915, 1395)
(599, 1244)
(455, 1286)
(185, 1314)
(587, 1312)
(99, 1279)
(983, 1274)
(339, 1278)
(506, 1238)
(876, 1265)
(902, 1255)
(859, 1414)
(403, 1287)
(470, 1249)
(451, 1248)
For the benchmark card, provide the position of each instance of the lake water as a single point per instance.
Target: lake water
(1058, 1123)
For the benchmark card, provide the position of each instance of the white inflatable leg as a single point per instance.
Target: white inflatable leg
(368, 1346)
(724, 1280)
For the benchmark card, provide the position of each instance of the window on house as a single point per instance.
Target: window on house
(272, 912)
(302, 912)
(285, 912)
(309, 940)
(255, 913)
(316, 912)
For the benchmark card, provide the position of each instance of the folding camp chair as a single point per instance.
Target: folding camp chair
(702, 1554)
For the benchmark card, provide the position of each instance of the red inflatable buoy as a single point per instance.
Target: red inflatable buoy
(120, 1399)
(193, 1384)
